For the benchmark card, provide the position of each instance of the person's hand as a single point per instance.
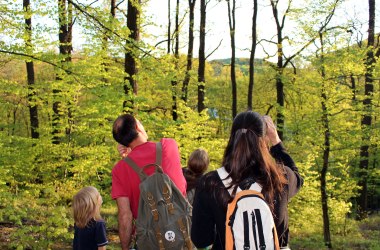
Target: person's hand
(123, 150)
(271, 132)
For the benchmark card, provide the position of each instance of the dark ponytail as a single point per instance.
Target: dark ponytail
(247, 158)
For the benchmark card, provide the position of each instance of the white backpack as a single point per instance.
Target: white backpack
(249, 220)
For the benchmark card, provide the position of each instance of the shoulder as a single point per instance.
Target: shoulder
(209, 180)
(168, 142)
(119, 166)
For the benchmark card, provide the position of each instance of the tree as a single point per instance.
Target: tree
(232, 26)
(65, 35)
(189, 65)
(252, 56)
(174, 82)
(33, 109)
(202, 57)
(366, 119)
(130, 62)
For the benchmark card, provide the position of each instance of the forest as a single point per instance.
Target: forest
(68, 68)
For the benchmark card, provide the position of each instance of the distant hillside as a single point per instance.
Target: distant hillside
(241, 63)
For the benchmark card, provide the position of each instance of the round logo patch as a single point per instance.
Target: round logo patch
(170, 236)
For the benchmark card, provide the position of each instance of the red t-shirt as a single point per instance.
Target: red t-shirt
(125, 181)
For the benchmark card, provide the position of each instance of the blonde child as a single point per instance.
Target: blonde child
(197, 165)
(89, 228)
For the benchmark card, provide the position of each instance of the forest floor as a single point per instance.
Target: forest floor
(367, 239)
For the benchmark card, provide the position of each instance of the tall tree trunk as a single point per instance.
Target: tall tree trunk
(326, 150)
(252, 57)
(231, 22)
(176, 55)
(65, 48)
(202, 57)
(169, 28)
(130, 64)
(366, 119)
(280, 66)
(33, 111)
(189, 64)
(106, 35)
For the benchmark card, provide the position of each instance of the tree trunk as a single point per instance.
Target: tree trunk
(366, 119)
(130, 64)
(176, 55)
(326, 152)
(169, 28)
(202, 58)
(280, 65)
(189, 64)
(65, 48)
(33, 111)
(252, 57)
(231, 22)
(106, 35)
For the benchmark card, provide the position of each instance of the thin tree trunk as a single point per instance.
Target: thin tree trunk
(326, 152)
(252, 57)
(202, 57)
(280, 65)
(106, 35)
(65, 48)
(169, 28)
(33, 111)
(189, 64)
(366, 120)
(231, 22)
(130, 64)
(176, 55)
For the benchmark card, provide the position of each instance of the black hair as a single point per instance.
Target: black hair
(124, 129)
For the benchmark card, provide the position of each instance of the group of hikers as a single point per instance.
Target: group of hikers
(190, 208)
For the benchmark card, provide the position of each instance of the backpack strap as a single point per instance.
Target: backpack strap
(158, 153)
(140, 171)
(223, 174)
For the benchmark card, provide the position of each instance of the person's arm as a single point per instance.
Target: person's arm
(125, 221)
(279, 153)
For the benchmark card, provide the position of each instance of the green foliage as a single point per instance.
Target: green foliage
(38, 178)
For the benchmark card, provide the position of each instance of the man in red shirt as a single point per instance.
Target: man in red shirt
(130, 133)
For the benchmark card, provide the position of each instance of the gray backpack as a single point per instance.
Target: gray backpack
(164, 215)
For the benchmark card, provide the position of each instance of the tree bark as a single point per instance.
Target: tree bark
(202, 57)
(169, 28)
(130, 65)
(190, 48)
(326, 151)
(176, 55)
(65, 48)
(252, 57)
(232, 23)
(366, 119)
(279, 71)
(33, 109)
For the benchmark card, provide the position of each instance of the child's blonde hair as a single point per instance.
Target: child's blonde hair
(86, 206)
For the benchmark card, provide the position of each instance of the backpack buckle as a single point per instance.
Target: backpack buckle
(246, 247)
(170, 208)
(263, 246)
(155, 214)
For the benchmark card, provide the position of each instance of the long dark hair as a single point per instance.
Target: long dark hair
(247, 158)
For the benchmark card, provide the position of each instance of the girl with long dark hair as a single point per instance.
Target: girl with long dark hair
(247, 159)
